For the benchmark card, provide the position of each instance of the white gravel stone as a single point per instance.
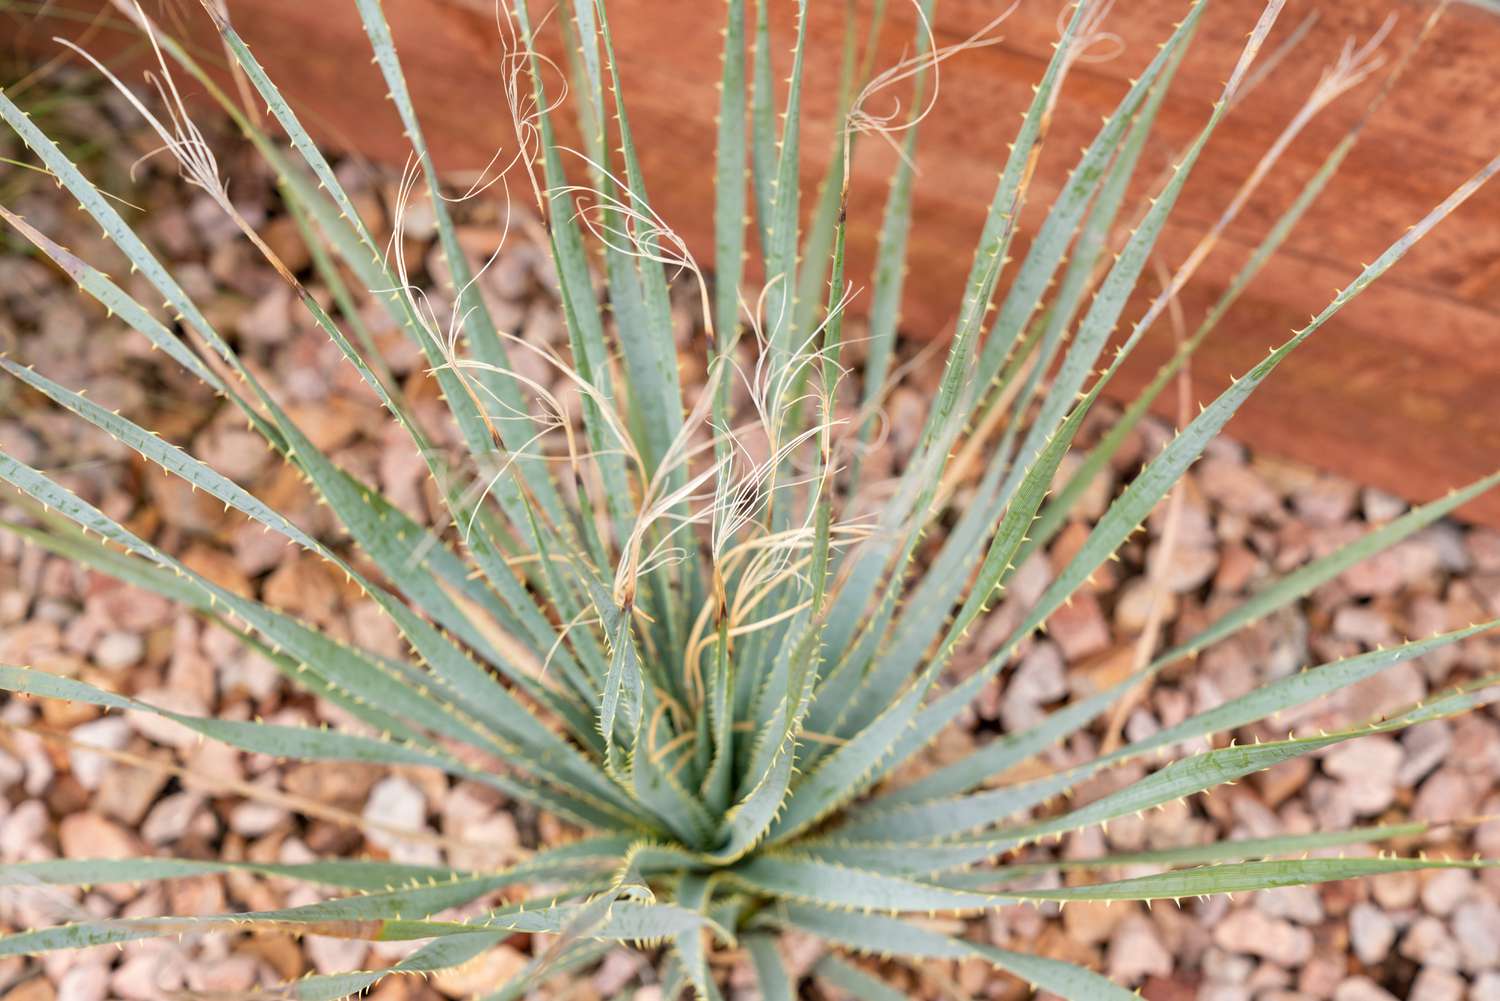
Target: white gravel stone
(1136, 951)
(118, 650)
(86, 981)
(1325, 501)
(1236, 487)
(488, 843)
(1445, 889)
(1395, 890)
(164, 731)
(335, 955)
(1040, 677)
(1254, 933)
(1476, 927)
(252, 819)
(1187, 568)
(89, 835)
(396, 802)
(148, 976)
(1447, 794)
(1363, 624)
(1429, 942)
(1362, 989)
(1380, 506)
(1219, 990)
(21, 836)
(1426, 745)
(1486, 987)
(11, 771)
(107, 732)
(1372, 932)
(1392, 690)
(1434, 984)
(237, 452)
(268, 321)
(170, 817)
(230, 976)
(1299, 904)
(1321, 975)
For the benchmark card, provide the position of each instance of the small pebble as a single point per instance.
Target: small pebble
(1250, 931)
(118, 650)
(1372, 932)
(1435, 984)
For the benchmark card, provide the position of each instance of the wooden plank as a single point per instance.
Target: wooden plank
(1402, 392)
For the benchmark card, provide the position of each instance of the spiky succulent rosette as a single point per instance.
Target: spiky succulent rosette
(684, 619)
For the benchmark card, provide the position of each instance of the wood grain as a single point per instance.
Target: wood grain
(1402, 391)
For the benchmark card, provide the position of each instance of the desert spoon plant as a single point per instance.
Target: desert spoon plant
(681, 619)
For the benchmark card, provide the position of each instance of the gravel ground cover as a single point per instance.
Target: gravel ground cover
(78, 783)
